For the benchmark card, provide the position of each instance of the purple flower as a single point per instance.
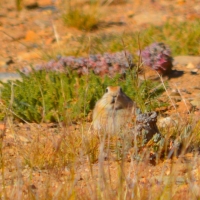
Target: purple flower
(158, 57)
(108, 63)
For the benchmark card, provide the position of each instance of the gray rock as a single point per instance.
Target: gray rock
(184, 60)
(5, 77)
(146, 126)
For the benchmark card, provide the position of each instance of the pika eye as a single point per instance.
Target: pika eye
(106, 90)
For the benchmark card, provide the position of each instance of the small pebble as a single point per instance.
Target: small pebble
(194, 71)
(190, 66)
(174, 92)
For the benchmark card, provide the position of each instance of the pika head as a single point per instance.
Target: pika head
(115, 99)
(112, 110)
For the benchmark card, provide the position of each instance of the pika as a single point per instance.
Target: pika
(113, 110)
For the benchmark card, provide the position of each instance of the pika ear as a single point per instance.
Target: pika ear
(106, 90)
(120, 89)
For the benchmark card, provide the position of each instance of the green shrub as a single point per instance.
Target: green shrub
(50, 96)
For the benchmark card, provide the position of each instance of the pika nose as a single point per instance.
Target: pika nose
(114, 99)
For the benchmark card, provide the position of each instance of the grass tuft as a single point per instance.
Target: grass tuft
(86, 19)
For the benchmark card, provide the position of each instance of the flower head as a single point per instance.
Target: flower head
(158, 57)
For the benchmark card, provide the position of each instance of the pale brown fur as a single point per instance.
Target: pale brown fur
(113, 110)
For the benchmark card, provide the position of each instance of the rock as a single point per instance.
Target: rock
(31, 4)
(174, 92)
(185, 60)
(146, 123)
(190, 66)
(194, 71)
(5, 77)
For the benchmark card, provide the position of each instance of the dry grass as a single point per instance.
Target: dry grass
(72, 162)
(86, 18)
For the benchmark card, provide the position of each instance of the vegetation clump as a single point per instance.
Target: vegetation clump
(49, 96)
(158, 57)
(82, 18)
(100, 64)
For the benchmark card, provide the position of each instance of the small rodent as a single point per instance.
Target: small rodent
(113, 110)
